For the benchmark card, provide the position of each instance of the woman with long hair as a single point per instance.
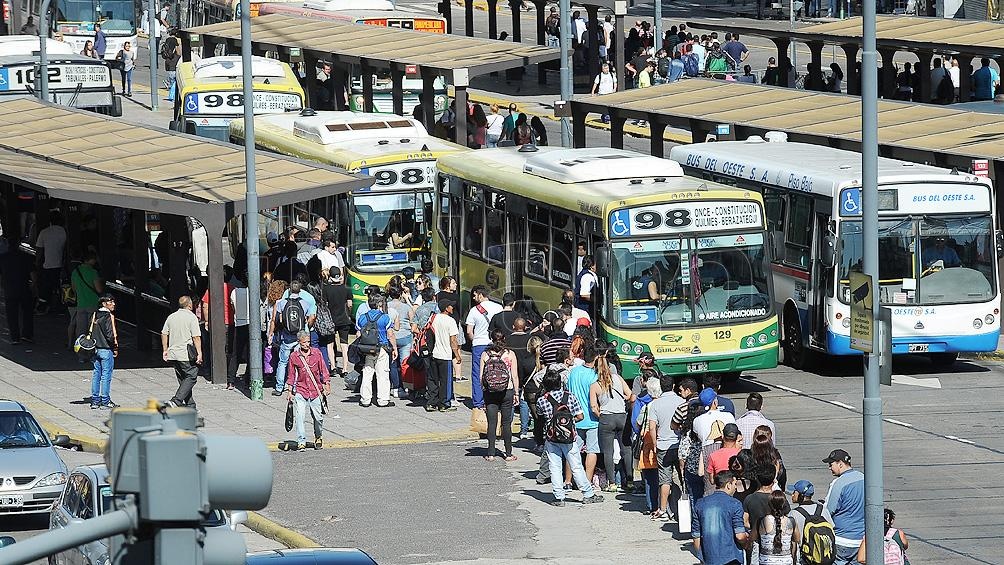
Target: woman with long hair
(276, 288)
(88, 50)
(478, 128)
(741, 466)
(608, 397)
(495, 401)
(765, 455)
(776, 533)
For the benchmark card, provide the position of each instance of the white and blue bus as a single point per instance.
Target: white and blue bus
(937, 245)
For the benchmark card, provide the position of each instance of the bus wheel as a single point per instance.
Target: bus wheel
(731, 378)
(796, 355)
(943, 360)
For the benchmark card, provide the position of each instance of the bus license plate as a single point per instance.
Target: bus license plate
(918, 348)
(12, 501)
(697, 367)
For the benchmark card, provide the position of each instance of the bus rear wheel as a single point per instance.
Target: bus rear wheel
(796, 355)
(943, 360)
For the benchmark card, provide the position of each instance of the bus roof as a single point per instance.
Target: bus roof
(225, 73)
(604, 178)
(802, 166)
(351, 140)
(29, 45)
(228, 67)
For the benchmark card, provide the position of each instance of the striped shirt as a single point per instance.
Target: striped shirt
(549, 349)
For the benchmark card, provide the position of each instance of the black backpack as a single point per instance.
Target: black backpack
(560, 427)
(368, 341)
(293, 318)
(663, 67)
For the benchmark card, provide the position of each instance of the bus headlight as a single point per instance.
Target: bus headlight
(359, 101)
(977, 324)
(989, 319)
(440, 103)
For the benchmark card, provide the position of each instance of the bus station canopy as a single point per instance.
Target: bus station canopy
(902, 33)
(814, 117)
(82, 156)
(457, 56)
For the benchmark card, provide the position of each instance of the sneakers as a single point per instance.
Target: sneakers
(611, 488)
(395, 393)
(387, 405)
(95, 406)
(318, 443)
(109, 405)
(301, 447)
(431, 408)
(364, 404)
(558, 503)
(447, 408)
(542, 480)
(593, 499)
(660, 516)
(276, 392)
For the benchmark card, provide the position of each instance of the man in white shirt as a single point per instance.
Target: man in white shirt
(331, 258)
(52, 244)
(710, 425)
(478, 319)
(937, 73)
(586, 286)
(239, 340)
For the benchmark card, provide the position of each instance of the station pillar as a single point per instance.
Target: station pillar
(617, 130)
(852, 70)
(888, 77)
(923, 70)
(965, 77)
(493, 19)
(469, 18)
(397, 89)
(814, 80)
(656, 132)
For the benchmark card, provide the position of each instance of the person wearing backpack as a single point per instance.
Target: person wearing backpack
(895, 543)
(501, 391)
(478, 319)
(291, 315)
(814, 524)
(560, 410)
(377, 343)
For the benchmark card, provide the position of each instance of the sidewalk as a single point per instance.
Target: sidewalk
(47, 377)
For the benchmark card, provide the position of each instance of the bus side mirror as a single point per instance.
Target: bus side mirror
(829, 252)
(1000, 244)
(602, 253)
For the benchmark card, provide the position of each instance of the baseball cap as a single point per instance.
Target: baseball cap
(583, 322)
(838, 455)
(730, 431)
(708, 396)
(446, 303)
(803, 488)
(408, 272)
(272, 237)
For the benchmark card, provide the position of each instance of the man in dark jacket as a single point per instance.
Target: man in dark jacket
(16, 266)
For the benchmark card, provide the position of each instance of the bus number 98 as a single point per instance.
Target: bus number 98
(387, 177)
(234, 100)
(650, 220)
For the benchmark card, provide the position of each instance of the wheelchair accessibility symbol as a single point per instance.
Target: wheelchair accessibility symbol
(192, 103)
(850, 202)
(619, 226)
(4, 79)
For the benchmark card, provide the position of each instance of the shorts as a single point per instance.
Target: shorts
(590, 438)
(667, 460)
(343, 332)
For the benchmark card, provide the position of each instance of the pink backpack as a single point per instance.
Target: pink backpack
(892, 551)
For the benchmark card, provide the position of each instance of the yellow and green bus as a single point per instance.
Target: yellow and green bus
(210, 93)
(397, 151)
(682, 262)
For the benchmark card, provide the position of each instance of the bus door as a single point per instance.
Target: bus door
(451, 207)
(820, 276)
(515, 238)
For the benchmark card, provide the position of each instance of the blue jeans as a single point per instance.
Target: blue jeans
(651, 479)
(846, 555)
(695, 486)
(524, 416)
(300, 405)
(477, 395)
(449, 383)
(403, 351)
(491, 141)
(126, 81)
(101, 381)
(172, 79)
(285, 348)
(569, 452)
(315, 341)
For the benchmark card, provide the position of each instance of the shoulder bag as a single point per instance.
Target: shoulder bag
(320, 393)
(85, 345)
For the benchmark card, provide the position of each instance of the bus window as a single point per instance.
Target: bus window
(799, 232)
(494, 235)
(774, 204)
(562, 262)
(473, 219)
(538, 244)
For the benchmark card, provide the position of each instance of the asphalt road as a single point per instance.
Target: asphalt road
(439, 503)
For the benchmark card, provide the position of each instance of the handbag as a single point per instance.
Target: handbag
(289, 416)
(323, 322)
(683, 513)
(85, 345)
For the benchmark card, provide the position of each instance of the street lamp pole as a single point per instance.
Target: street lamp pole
(872, 402)
(251, 236)
(565, 46)
(154, 48)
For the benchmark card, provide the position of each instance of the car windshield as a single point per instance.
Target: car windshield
(114, 15)
(926, 260)
(690, 281)
(389, 231)
(19, 429)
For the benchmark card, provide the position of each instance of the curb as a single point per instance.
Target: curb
(458, 435)
(985, 356)
(87, 444)
(275, 531)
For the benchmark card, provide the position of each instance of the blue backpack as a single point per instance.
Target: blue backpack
(690, 65)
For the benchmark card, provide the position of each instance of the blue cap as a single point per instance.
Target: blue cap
(708, 396)
(803, 488)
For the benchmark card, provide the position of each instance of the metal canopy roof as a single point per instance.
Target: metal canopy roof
(382, 46)
(85, 157)
(925, 127)
(907, 33)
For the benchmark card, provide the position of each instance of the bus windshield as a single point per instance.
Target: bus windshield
(704, 280)
(954, 263)
(114, 15)
(389, 231)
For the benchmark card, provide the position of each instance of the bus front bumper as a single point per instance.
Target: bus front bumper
(837, 344)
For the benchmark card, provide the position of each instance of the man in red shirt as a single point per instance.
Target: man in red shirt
(731, 444)
(307, 381)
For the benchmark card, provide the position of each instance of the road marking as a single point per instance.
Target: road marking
(842, 405)
(961, 440)
(789, 389)
(913, 381)
(898, 423)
